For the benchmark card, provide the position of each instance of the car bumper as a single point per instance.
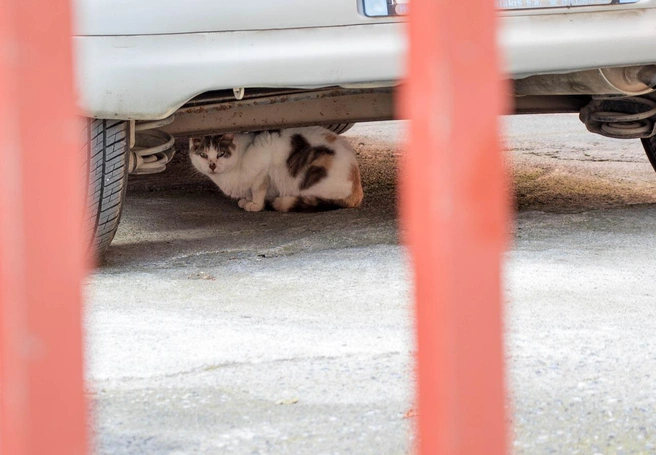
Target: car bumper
(150, 76)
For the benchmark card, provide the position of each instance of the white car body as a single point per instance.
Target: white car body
(145, 59)
(152, 70)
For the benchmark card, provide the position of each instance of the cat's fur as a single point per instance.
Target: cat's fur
(296, 169)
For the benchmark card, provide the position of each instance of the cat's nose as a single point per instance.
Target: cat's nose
(212, 166)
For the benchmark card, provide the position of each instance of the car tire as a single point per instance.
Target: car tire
(649, 145)
(340, 128)
(106, 144)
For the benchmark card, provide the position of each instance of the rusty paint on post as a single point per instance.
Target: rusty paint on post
(455, 211)
(42, 404)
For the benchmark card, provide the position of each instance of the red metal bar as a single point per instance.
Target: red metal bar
(42, 404)
(455, 210)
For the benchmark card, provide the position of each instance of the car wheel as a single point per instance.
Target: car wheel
(340, 128)
(106, 146)
(650, 148)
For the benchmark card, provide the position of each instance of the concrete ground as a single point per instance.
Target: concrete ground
(212, 330)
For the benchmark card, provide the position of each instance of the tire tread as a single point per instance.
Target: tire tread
(339, 128)
(107, 151)
(649, 145)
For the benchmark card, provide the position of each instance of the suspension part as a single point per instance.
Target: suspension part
(152, 149)
(620, 117)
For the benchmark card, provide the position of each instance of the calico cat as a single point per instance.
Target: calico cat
(296, 169)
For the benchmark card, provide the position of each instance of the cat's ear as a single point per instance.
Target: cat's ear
(195, 143)
(227, 138)
(227, 141)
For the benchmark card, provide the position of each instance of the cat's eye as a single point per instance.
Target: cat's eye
(221, 154)
(203, 155)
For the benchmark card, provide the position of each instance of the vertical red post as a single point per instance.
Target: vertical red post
(42, 404)
(454, 208)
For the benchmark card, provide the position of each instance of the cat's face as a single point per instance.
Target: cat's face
(212, 155)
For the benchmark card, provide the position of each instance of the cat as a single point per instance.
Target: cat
(295, 169)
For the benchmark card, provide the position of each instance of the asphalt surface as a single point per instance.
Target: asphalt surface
(213, 330)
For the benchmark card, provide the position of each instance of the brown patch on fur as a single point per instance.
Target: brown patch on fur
(196, 142)
(226, 139)
(355, 199)
(324, 161)
(330, 137)
(318, 204)
(317, 171)
(313, 175)
(224, 144)
(303, 154)
(300, 154)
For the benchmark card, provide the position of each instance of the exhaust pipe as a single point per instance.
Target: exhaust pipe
(630, 80)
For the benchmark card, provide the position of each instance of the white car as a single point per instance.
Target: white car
(150, 70)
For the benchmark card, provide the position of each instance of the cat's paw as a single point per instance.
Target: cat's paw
(242, 203)
(264, 139)
(253, 207)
